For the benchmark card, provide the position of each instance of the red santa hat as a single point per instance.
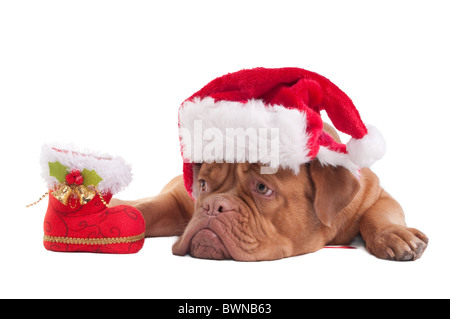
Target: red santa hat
(287, 99)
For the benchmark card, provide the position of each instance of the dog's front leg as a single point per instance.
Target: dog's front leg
(384, 230)
(167, 213)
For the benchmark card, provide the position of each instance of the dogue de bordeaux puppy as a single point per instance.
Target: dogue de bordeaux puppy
(242, 215)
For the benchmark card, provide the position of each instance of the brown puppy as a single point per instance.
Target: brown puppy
(243, 215)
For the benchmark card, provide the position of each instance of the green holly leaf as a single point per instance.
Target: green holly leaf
(59, 171)
(90, 177)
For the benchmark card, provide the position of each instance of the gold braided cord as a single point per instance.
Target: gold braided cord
(94, 241)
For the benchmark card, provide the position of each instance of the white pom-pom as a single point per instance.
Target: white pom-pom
(367, 150)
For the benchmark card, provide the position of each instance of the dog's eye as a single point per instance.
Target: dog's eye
(263, 189)
(202, 185)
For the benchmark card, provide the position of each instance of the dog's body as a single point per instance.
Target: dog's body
(243, 215)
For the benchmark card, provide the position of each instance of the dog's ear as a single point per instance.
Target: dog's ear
(335, 187)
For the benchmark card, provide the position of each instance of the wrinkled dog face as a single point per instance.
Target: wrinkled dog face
(243, 215)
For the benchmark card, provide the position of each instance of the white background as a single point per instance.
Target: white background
(110, 75)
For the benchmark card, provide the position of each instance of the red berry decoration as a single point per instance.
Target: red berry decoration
(79, 180)
(74, 177)
(75, 173)
(70, 179)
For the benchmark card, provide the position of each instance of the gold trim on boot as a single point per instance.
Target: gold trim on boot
(94, 241)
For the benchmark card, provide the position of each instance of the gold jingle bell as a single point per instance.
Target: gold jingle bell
(85, 194)
(65, 193)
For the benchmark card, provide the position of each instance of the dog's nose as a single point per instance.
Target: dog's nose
(215, 205)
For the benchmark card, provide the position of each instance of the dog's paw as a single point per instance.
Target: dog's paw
(399, 243)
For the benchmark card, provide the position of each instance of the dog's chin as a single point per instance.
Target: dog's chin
(207, 245)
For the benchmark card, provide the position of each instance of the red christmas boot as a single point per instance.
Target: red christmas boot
(78, 218)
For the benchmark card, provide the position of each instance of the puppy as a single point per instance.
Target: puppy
(243, 215)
